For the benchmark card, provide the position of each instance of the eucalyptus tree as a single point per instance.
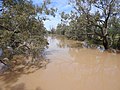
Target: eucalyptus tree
(21, 26)
(69, 25)
(97, 21)
(114, 32)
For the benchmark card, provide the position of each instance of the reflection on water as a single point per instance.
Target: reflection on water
(71, 68)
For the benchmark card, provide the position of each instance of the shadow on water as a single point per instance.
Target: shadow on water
(20, 86)
(10, 77)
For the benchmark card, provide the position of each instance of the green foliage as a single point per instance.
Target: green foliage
(99, 27)
(22, 28)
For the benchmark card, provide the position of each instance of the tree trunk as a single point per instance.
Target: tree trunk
(105, 43)
(118, 44)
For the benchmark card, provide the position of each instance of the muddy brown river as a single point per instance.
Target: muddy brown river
(69, 68)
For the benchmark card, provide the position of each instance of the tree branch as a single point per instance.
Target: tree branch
(3, 27)
(108, 14)
(3, 63)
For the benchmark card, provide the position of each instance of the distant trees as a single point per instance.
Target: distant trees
(61, 29)
(95, 20)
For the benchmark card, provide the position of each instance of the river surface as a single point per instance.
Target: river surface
(69, 68)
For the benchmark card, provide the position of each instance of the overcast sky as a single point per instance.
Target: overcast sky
(61, 5)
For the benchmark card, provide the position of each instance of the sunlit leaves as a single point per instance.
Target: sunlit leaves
(93, 20)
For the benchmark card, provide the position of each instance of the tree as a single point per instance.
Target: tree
(97, 21)
(21, 28)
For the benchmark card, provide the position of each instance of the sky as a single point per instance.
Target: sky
(61, 5)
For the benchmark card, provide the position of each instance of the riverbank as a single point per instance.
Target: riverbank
(86, 44)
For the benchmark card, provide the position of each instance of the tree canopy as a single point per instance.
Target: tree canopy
(21, 27)
(97, 21)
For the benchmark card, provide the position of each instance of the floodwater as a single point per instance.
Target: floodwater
(69, 68)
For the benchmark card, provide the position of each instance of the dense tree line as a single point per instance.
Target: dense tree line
(97, 21)
(21, 28)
